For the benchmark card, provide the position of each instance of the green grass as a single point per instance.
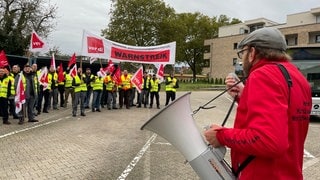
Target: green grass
(196, 87)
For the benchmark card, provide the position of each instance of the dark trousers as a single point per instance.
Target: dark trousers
(12, 107)
(156, 95)
(4, 109)
(61, 93)
(170, 95)
(79, 98)
(124, 96)
(43, 95)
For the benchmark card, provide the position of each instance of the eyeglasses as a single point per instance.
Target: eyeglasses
(240, 53)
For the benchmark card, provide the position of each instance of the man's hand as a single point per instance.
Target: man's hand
(236, 90)
(211, 135)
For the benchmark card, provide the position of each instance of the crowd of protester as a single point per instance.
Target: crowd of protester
(46, 91)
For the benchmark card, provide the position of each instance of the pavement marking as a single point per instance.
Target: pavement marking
(307, 154)
(136, 159)
(160, 143)
(29, 128)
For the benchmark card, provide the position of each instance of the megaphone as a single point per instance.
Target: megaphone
(175, 124)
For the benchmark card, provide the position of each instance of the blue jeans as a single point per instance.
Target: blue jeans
(96, 100)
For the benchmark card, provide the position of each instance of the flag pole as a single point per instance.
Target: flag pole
(100, 63)
(81, 67)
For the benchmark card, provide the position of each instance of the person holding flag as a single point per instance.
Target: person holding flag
(5, 92)
(154, 90)
(13, 74)
(80, 91)
(144, 95)
(68, 88)
(111, 89)
(125, 89)
(61, 82)
(30, 92)
(171, 88)
(44, 90)
(97, 87)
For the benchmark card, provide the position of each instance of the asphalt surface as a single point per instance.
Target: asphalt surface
(110, 145)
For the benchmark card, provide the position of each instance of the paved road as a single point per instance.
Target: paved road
(110, 145)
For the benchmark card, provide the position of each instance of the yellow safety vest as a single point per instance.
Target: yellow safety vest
(170, 87)
(12, 89)
(126, 82)
(109, 83)
(82, 85)
(4, 87)
(68, 81)
(52, 79)
(154, 85)
(97, 84)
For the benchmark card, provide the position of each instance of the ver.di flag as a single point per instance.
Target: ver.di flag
(3, 59)
(72, 60)
(36, 43)
(117, 76)
(20, 97)
(137, 79)
(60, 73)
(160, 71)
(43, 78)
(73, 71)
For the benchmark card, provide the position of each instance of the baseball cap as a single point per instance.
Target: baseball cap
(267, 37)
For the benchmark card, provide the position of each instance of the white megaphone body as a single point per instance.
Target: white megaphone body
(175, 123)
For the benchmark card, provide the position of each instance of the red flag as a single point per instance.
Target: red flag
(117, 76)
(53, 62)
(72, 60)
(20, 97)
(60, 73)
(73, 71)
(160, 72)
(110, 67)
(43, 78)
(3, 59)
(137, 79)
(36, 43)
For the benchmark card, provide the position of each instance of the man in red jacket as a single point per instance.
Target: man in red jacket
(271, 123)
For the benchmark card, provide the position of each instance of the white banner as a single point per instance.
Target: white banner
(96, 46)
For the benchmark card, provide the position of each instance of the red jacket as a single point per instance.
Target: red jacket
(266, 127)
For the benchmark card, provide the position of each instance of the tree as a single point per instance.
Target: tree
(17, 20)
(193, 29)
(137, 22)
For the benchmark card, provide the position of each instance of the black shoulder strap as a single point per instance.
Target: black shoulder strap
(251, 157)
(242, 165)
(285, 74)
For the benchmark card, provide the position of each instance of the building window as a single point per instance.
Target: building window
(318, 19)
(206, 49)
(317, 38)
(235, 45)
(206, 63)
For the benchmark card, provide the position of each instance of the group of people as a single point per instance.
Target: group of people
(83, 88)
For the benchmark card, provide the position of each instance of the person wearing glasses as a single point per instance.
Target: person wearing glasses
(271, 123)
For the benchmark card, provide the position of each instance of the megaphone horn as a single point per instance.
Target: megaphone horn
(181, 131)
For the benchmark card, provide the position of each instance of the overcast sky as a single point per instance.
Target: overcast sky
(93, 15)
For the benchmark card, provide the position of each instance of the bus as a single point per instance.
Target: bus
(307, 59)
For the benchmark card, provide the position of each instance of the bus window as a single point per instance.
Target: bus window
(314, 80)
